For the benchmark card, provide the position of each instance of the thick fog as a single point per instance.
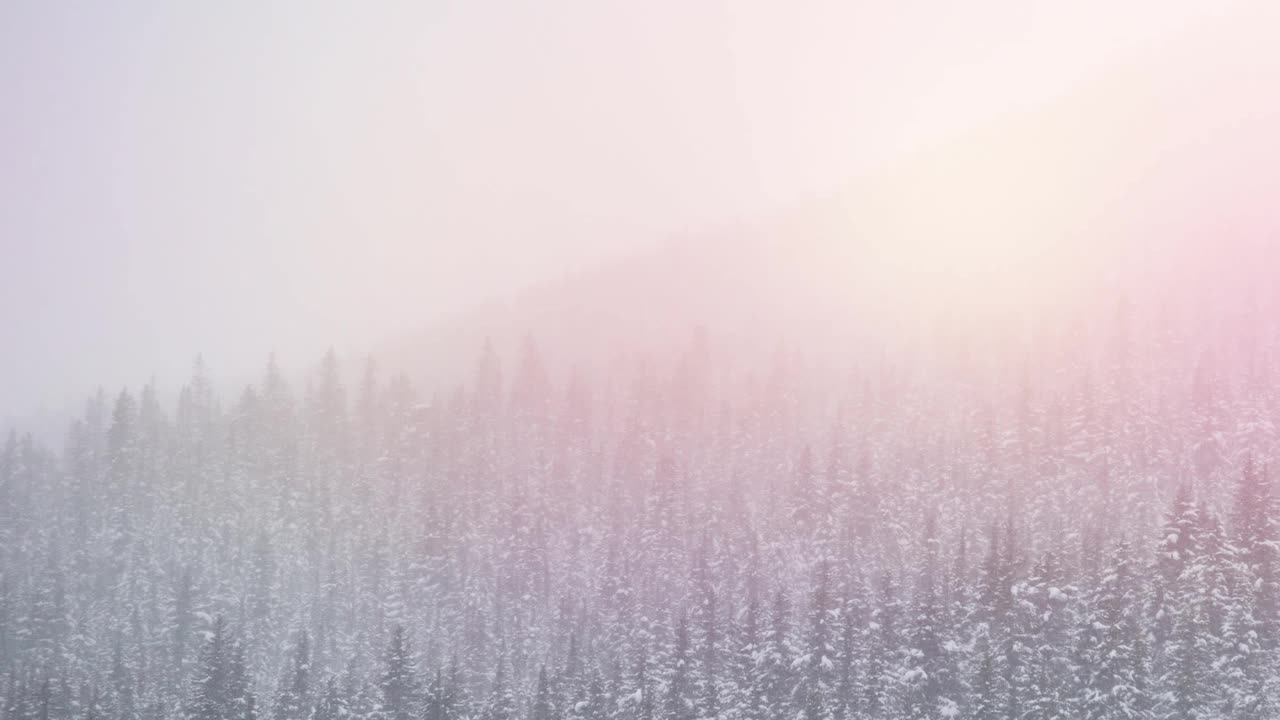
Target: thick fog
(591, 360)
(239, 178)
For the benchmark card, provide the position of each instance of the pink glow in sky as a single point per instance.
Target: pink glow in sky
(240, 177)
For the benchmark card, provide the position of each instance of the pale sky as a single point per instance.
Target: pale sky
(239, 177)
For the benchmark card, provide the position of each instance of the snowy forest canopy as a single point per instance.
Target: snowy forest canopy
(1092, 537)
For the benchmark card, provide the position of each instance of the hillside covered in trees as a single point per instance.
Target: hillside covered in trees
(1084, 530)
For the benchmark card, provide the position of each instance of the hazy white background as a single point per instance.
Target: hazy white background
(239, 177)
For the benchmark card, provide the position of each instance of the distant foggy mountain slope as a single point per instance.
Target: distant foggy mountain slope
(1012, 234)
(646, 303)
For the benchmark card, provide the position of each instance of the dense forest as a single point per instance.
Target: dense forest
(1083, 531)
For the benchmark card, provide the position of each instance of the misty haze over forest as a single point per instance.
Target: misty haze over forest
(598, 361)
(1081, 528)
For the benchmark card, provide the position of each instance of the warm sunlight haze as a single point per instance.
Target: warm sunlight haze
(616, 360)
